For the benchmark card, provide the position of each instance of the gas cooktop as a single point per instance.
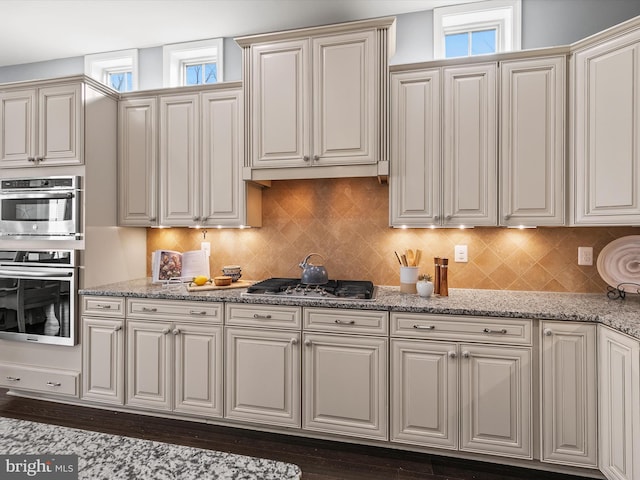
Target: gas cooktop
(333, 289)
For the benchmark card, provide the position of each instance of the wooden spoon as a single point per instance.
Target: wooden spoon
(411, 258)
(417, 258)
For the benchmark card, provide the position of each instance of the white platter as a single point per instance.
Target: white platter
(619, 263)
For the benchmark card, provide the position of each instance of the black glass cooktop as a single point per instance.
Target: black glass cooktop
(333, 289)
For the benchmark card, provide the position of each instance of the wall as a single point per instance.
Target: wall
(346, 221)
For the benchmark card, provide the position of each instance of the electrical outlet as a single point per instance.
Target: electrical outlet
(206, 246)
(585, 255)
(460, 254)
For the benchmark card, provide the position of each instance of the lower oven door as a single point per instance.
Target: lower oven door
(38, 304)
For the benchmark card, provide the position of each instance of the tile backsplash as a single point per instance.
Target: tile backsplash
(347, 222)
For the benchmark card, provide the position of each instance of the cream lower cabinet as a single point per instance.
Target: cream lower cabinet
(174, 356)
(568, 394)
(345, 387)
(619, 404)
(262, 381)
(473, 397)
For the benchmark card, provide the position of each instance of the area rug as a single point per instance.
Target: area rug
(110, 457)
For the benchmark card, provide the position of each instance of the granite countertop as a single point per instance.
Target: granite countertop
(621, 314)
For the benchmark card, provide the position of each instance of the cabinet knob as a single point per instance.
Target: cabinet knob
(452, 354)
(195, 219)
(547, 332)
(166, 330)
(31, 159)
(117, 328)
(305, 158)
(507, 216)
(436, 218)
(448, 217)
(466, 354)
(316, 158)
(307, 343)
(176, 331)
(39, 159)
(294, 341)
(152, 219)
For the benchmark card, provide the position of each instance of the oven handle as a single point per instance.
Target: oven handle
(43, 195)
(36, 274)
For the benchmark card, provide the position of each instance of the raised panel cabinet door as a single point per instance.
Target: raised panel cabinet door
(60, 129)
(281, 104)
(198, 369)
(346, 385)
(415, 178)
(103, 360)
(222, 157)
(470, 145)
(619, 405)
(607, 132)
(149, 364)
(495, 400)
(180, 173)
(138, 162)
(424, 393)
(18, 124)
(262, 376)
(568, 393)
(532, 127)
(344, 99)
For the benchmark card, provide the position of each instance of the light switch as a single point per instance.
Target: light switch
(460, 254)
(206, 246)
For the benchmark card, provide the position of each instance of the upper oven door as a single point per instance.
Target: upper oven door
(41, 214)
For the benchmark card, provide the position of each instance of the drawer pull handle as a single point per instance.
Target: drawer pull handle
(13, 379)
(53, 384)
(105, 307)
(147, 309)
(198, 312)
(263, 317)
(341, 322)
(501, 331)
(424, 327)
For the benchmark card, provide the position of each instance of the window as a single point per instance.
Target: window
(118, 70)
(193, 63)
(479, 28)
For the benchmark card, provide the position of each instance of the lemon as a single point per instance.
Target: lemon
(200, 280)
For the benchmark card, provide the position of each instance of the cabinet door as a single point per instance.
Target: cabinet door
(345, 385)
(607, 132)
(619, 406)
(344, 99)
(415, 145)
(424, 393)
(532, 144)
(180, 160)
(103, 360)
(149, 364)
(60, 125)
(470, 145)
(495, 400)
(198, 369)
(263, 376)
(568, 395)
(18, 124)
(281, 104)
(222, 156)
(137, 162)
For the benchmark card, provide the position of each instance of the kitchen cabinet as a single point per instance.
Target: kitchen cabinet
(345, 387)
(606, 117)
(103, 350)
(316, 101)
(619, 404)
(461, 383)
(174, 356)
(42, 125)
(262, 380)
(453, 183)
(532, 141)
(568, 393)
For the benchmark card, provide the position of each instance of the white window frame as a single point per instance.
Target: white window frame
(503, 15)
(176, 55)
(99, 65)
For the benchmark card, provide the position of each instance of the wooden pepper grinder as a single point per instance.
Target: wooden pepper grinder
(444, 285)
(436, 275)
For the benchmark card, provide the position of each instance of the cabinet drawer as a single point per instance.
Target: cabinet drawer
(348, 321)
(174, 310)
(263, 315)
(103, 306)
(508, 331)
(59, 382)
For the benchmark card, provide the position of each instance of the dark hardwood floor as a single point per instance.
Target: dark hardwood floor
(318, 459)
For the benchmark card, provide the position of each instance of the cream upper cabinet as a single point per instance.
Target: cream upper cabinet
(619, 404)
(138, 162)
(42, 126)
(317, 98)
(606, 116)
(568, 393)
(532, 141)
